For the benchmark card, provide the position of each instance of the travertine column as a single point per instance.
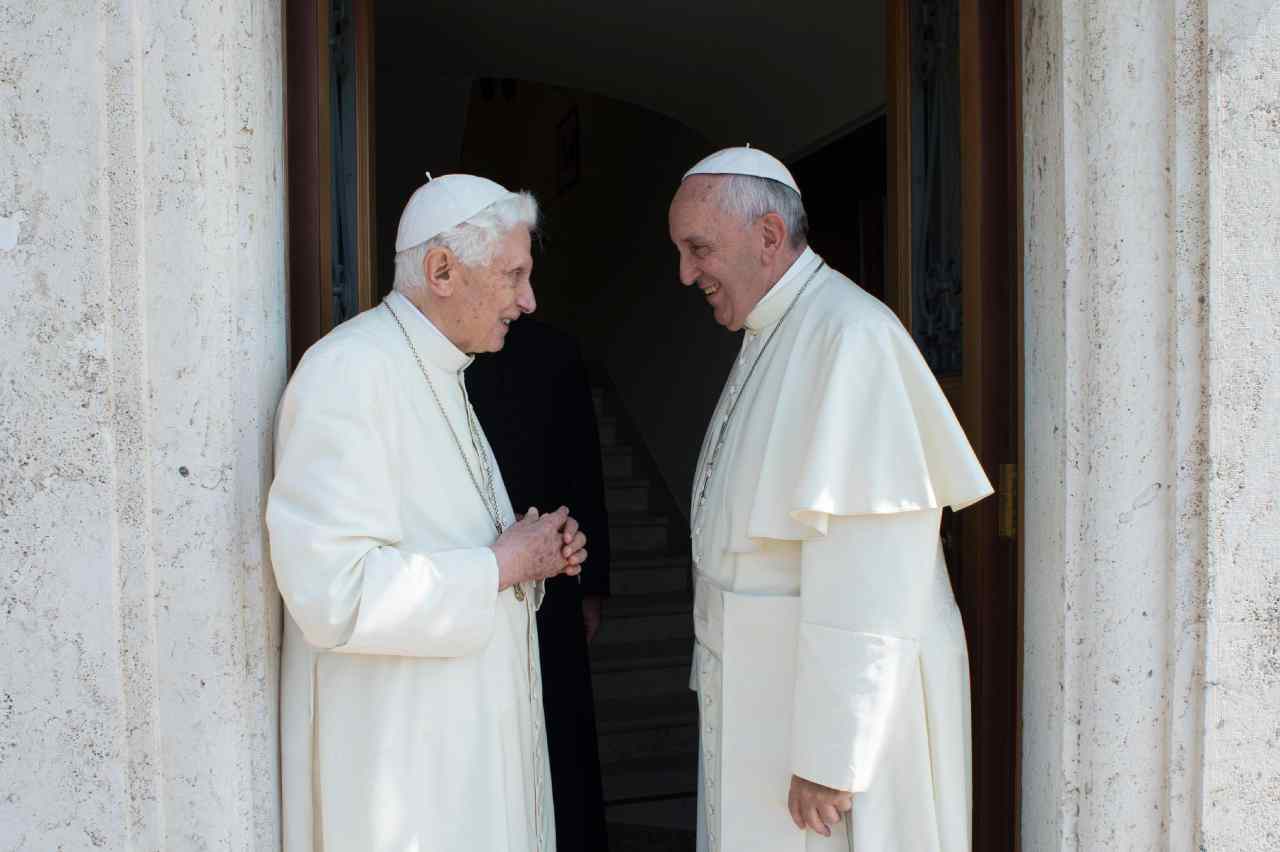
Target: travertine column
(142, 350)
(1152, 620)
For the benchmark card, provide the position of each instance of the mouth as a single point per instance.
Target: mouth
(710, 290)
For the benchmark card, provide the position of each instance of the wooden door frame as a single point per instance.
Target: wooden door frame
(897, 259)
(309, 167)
(991, 197)
(366, 145)
(308, 173)
(989, 399)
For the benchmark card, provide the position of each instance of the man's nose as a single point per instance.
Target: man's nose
(525, 300)
(688, 272)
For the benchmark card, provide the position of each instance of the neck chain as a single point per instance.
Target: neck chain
(489, 496)
(709, 467)
(484, 479)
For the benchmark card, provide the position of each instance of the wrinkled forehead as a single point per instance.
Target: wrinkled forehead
(698, 190)
(696, 204)
(515, 248)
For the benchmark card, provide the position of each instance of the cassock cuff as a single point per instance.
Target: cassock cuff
(847, 686)
(427, 605)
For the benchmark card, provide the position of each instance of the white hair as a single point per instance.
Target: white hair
(473, 242)
(748, 198)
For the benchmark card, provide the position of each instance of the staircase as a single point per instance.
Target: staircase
(646, 717)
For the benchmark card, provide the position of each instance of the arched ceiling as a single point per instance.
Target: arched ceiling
(780, 75)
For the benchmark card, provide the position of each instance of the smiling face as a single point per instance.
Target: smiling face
(489, 298)
(724, 256)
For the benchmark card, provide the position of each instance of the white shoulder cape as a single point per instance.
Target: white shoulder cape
(860, 425)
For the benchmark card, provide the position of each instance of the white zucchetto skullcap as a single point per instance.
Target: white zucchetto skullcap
(745, 161)
(443, 203)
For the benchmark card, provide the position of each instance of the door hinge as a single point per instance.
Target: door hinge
(1007, 491)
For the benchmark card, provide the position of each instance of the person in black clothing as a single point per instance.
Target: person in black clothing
(534, 403)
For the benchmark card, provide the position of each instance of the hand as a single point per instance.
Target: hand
(575, 544)
(539, 546)
(816, 807)
(592, 615)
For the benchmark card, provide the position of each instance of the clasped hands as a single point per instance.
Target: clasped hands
(816, 807)
(539, 546)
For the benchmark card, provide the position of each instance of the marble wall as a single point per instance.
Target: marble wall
(143, 347)
(142, 351)
(1152, 608)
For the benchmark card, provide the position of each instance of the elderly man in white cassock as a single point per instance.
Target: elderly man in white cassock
(412, 713)
(830, 658)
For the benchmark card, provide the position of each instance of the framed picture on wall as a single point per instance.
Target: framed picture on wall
(568, 151)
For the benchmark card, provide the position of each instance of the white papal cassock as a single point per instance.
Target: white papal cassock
(412, 713)
(829, 644)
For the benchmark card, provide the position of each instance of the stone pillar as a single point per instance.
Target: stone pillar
(1152, 609)
(142, 351)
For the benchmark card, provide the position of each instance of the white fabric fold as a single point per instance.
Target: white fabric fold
(411, 714)
(858, 425)
(855, 657)
(336, 539)
(847, 689)
(436, 605)
(823, 512)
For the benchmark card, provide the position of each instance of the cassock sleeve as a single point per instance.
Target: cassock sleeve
(865, 591)
(335, 530)
(860, 480)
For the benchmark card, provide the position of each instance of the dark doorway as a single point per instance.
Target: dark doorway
(599, 113)
(844, 185)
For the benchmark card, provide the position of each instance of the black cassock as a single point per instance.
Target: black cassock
(534, 403)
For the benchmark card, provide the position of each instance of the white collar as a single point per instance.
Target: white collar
(770, 308)
(426, 337)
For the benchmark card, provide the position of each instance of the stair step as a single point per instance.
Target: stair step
(638, 533)
(666, 824)
(672, 679)
(617, 463)
(659, 603)
(614, 715)
(658, 776)
(644, 654)
(631, 629)
(625, 746)
(637, 669)
(608, 427)
(628, 495)
(627, 837)
(646, 576)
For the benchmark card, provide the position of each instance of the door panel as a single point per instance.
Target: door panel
(953, 256)
(328, 117)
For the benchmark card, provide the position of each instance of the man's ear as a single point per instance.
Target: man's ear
(774, 231)
(440, 268)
